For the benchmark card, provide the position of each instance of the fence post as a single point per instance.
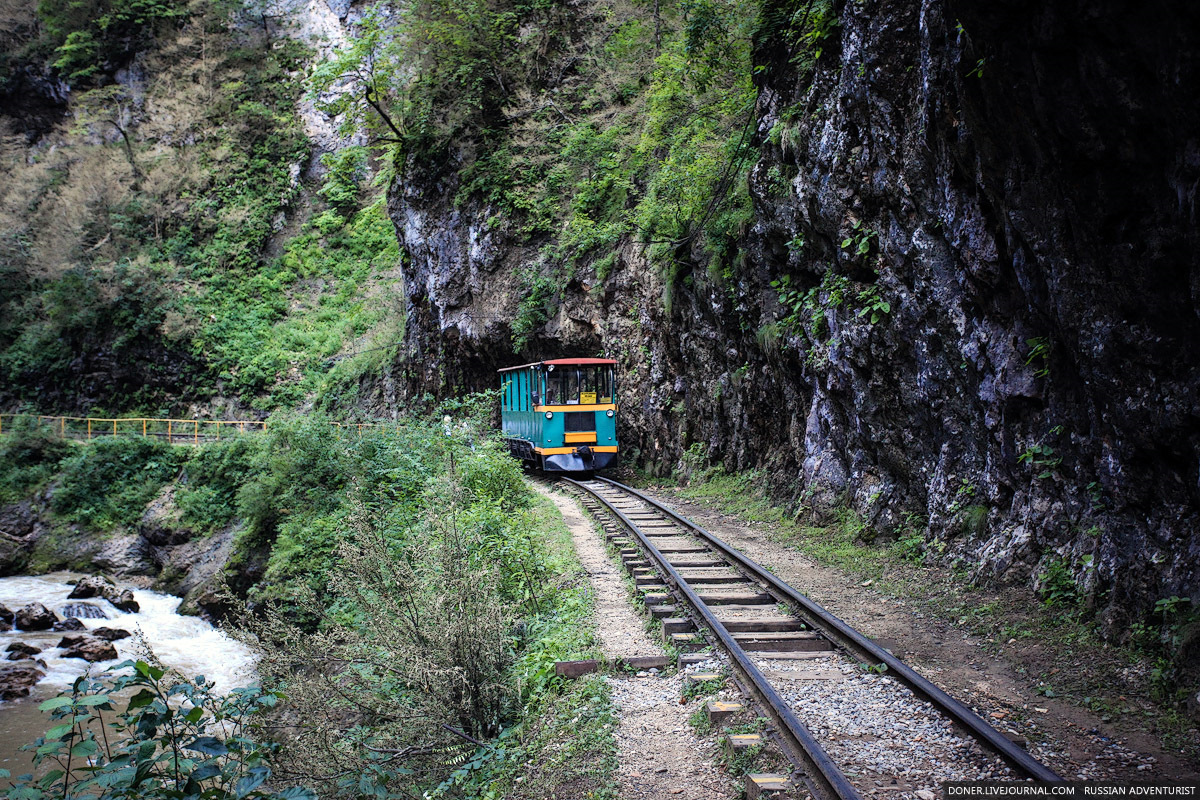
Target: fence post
(89, 429)
(143, 429)
(62, 427)
(168, 431)
(195, 431)
(114, 429)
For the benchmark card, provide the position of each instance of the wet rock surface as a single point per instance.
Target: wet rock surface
(87, 647)
(17, 678)
(68, 624)
(1031, 391)
(19, 650)
(35, 617)
(97, 586)
(84, 611)
(91, 586)
(111, 634)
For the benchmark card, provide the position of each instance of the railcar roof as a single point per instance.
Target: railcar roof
(563, 362)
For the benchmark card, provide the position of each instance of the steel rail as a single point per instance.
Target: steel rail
(831, 625)
(827, 778)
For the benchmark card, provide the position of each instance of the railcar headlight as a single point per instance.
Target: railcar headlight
(609, 412)
(549, 415)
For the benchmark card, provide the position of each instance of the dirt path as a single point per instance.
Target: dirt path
(659, 754)
(1075, 742)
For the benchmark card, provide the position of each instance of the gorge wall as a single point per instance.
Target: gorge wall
(966, 294)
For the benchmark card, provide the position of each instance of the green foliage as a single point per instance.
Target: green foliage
(873, 307)
(109, 482)
(909, 545)
(62, 317)
(700, 722)
(450, 599)
(860, 239)
(1039, 355)
(1042, 458)
(177, 275)
(347, 168)
(417, 75)
(695, 689)
(94, 37)
(215, 472)
(174, 738)
(29, 457)
(271, 340)
(537, 305)
(805, 26)
(1057, 585)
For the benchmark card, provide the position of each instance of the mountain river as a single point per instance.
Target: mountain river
(188, 644)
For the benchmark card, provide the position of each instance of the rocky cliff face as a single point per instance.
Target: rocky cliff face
(985, 218)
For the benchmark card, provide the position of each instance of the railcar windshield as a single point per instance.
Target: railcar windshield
(569, 385)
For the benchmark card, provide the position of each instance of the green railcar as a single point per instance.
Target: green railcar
(561, 415)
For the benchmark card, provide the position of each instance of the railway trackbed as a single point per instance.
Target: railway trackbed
(853, 719)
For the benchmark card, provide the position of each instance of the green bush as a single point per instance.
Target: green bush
(343, 182)
(110, 481)
(94, 37)
(174, 738)
(29, 458)
(215, 473)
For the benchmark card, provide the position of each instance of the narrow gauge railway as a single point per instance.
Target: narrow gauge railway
(702, 588)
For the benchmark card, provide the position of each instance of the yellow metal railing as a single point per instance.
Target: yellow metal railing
(175, 431)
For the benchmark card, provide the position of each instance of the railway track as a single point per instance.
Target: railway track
(707, 593)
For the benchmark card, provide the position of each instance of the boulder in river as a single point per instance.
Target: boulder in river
(17, 678)
(68, 624)
(125, 602)
(111, 634)
(96, 586)
(87, 647)
(19, 650)
(84, 611)
(92, 586)
(6, 617)
(35, 617)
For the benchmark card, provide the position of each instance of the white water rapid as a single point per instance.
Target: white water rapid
(187, 644)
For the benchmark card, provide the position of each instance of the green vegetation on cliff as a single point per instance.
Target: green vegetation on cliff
(165, 245)
(579, 130)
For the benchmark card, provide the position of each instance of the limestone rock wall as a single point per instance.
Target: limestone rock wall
(1022, 178)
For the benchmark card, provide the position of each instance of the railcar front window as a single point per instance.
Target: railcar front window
(579, 386)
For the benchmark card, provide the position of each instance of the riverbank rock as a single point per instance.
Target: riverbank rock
(111, 634)
(125, 555)
(17, 678)
(6, 618)
(35, 617)
(20, 527)
(18, 651)
(68, 624)
(89, 648)
(161, 525)
(194, 571)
